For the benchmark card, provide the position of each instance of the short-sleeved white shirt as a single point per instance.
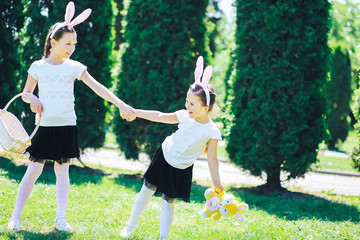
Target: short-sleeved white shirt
(56, 90)
(183, 147)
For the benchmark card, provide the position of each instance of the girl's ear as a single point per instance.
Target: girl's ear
(52, 43)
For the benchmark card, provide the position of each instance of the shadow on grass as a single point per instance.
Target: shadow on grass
(298, 206)
(78, 175)
(27, 235)
(134, 181)
(288, 205)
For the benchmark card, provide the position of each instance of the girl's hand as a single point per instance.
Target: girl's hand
(36, 106)
(219, 185)
(127, 112)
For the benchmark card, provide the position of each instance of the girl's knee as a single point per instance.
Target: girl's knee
(34, 170)
(61, 169)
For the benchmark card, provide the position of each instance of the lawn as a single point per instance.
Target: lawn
(101, 200)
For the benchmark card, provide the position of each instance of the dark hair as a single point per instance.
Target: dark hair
(57, 36)
(198, 90)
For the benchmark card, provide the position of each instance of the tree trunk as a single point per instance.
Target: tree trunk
(273, 181)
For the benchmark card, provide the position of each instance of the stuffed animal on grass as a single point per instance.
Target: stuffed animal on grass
(219, 204)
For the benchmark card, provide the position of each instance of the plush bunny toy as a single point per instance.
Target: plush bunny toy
(220, 204)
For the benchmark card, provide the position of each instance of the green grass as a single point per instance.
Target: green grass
(101, 201)
(334, 163)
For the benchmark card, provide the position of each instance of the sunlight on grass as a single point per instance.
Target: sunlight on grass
(101, 199)
(335, 163)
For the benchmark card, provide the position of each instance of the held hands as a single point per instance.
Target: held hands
(127, 112)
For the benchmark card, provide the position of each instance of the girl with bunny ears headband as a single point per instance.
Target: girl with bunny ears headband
(170, 171)
(56, 139)
(201, 86)
(57, 30)
(70, 11)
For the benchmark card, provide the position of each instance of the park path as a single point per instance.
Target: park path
(231, 174)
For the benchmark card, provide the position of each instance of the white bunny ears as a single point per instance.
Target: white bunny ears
(205, 79)
(70, 10)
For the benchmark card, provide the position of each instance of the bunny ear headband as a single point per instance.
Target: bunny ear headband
(70, 10)
(205, 79)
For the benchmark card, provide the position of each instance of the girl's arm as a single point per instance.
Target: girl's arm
(213, 162)
(28, 97)
(157, 116)
(126, 111)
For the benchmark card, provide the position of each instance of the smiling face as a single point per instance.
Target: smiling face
(65, 46)
(195, 106)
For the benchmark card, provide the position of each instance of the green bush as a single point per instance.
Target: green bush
(163, 41)
(11, 22)
(339, 93)
(279, 104)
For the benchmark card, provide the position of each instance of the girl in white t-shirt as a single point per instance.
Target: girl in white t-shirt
(170, 171)
(56, 138)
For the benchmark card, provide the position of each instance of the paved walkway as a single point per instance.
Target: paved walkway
(231, 174)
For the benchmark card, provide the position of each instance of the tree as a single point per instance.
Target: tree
(339, 94)
(164, 39)
(11, 22)
(93, 50)
(278, 103)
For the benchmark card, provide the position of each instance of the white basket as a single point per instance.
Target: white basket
(13, 137)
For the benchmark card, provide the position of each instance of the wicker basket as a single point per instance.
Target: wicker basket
(13, 137)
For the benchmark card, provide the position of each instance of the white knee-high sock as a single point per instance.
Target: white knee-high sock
(27, 183)
(141, 203)
(62, 188)
(166, 218)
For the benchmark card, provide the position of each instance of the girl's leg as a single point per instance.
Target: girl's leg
(62, 195)
(27, 183)
(141, 203)
(166, 216)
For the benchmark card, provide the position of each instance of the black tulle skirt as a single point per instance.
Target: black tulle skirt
(172, 182)
(59, 144)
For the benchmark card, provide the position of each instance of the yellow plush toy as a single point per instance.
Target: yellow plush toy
(220, 204)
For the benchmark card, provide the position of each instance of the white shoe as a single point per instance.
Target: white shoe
(14, 224)
(62, 225)
(128, 230)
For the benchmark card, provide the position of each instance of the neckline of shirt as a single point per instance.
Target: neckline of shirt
(54, 65)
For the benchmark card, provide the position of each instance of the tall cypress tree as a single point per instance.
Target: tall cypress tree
(281, 71)
(93, 50)
(339, 94)
(11, 22)
(164, 38)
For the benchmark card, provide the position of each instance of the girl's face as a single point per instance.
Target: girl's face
(65, 46)
(195, 106)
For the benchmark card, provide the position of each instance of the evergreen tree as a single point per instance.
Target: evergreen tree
(339, 93)
(93, 50)
(11, 22)
(164, 39)
(279, 101)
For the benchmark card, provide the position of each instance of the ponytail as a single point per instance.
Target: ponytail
(47, 47)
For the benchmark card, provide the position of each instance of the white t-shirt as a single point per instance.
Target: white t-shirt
(56, 90)
(183, 147)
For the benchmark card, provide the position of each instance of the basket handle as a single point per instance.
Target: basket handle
(11, 100)
(38, 122)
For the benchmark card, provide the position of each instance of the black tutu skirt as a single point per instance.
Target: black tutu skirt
(172, 182)
(59, 144)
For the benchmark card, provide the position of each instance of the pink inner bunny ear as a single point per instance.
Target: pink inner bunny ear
(207, 75)
(70, 10)
(82, 17)
(199, 68)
